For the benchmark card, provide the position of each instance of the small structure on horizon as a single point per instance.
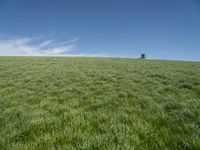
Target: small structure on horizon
(143, 56)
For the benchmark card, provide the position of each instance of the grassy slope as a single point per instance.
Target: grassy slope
(98, 103)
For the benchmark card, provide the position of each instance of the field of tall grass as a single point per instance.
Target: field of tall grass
(98, 103)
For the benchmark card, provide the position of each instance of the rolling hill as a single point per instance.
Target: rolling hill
(99, 103)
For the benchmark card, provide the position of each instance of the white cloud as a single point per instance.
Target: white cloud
(25, 46)
(45, 43)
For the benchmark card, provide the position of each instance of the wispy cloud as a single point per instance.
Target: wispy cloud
(45, 43)
(26, 46)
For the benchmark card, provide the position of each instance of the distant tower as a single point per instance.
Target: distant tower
(143, 56)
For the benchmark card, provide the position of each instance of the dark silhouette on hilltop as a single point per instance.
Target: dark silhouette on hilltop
(143, 56)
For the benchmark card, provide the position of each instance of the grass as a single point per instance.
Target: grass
(98, 103)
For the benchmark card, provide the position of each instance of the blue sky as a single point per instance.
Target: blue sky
(163, 29)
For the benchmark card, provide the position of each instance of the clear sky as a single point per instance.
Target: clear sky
(163, 29)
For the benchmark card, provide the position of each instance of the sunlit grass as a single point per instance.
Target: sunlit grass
(98, 103)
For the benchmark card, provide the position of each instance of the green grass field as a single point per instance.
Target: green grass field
(98, 103)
